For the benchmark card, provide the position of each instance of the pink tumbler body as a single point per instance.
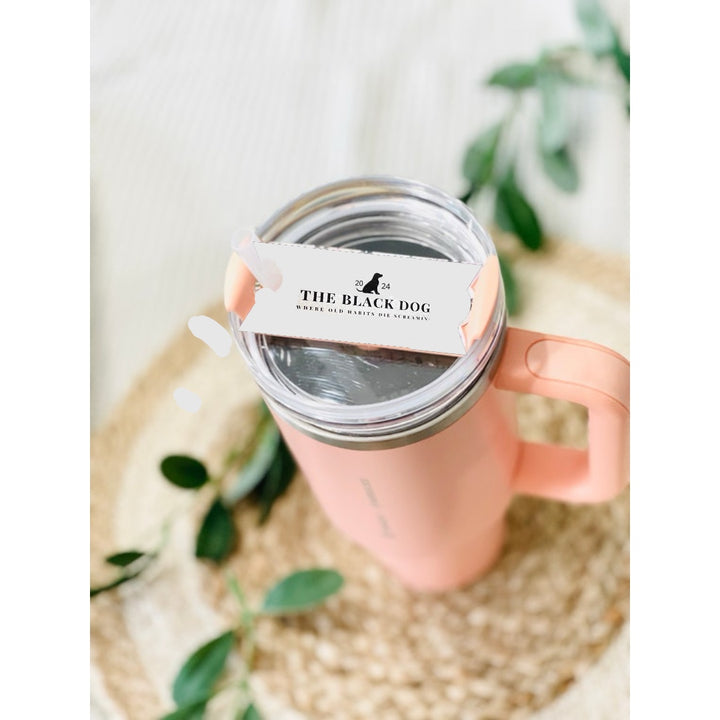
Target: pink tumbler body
(433, 510)
(417, 459)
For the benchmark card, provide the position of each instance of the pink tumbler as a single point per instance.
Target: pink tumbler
(415, 456)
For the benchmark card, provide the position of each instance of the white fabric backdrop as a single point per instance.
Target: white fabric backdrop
(210, 115)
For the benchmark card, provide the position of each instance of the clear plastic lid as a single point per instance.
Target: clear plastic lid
(364, 393)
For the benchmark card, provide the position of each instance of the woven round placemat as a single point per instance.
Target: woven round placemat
(502, 648)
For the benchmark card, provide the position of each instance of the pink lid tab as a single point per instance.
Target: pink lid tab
(484, 291)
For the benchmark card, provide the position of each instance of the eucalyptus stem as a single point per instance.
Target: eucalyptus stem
(247, 621)
(237, 456)
(245, 689)
(246, 626)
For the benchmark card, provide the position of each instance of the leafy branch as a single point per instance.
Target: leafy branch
(196, 683)
(131, 563)
(260, 471)
(489, 162)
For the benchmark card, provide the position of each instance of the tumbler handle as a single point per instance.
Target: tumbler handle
(581, 372)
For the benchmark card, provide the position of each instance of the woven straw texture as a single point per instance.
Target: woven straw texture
(530, 639)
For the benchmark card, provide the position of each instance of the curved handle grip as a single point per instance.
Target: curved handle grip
(581, 372)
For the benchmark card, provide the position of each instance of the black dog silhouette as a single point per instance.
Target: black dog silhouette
(372, 286)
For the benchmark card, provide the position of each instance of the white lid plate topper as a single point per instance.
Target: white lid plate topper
(358, 297)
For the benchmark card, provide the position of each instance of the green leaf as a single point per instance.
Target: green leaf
(217, 536)
(301, 590)
(251, 713)
(601, 36)
(560, 168)
(515, 76)
(276, 480)
(553, 126)
(183, 471)
(599, 32)
(514, 214)
(257, 467)
(194, 711)
(501, 215)
(195, 681)
(123, 559)
(480, 157)
(263, 412)
(467, 195)
(622, 59)
(510, 285)
(552, 64)
(97, 590)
